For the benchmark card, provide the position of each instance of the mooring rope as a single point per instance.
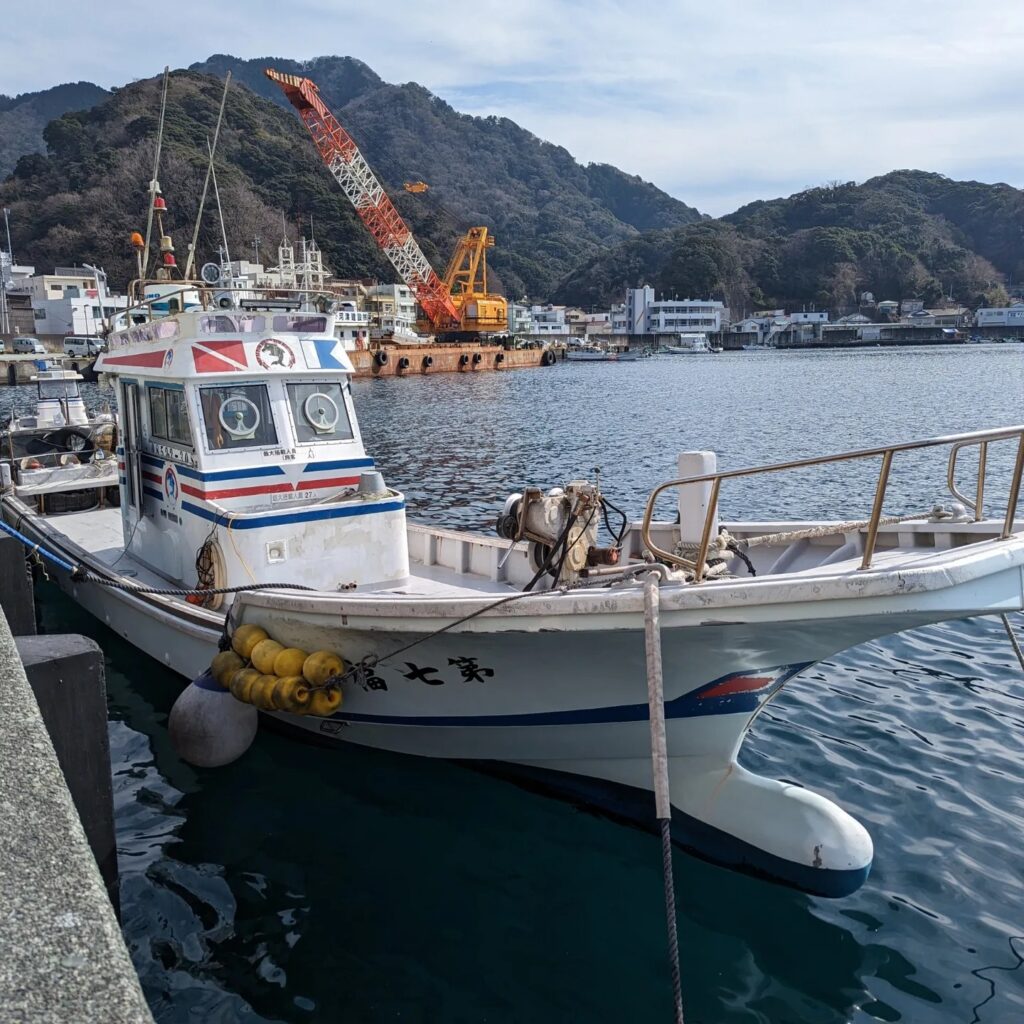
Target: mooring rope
(1014, 643)
(659, 764)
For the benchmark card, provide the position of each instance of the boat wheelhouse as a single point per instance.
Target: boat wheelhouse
(243, 420)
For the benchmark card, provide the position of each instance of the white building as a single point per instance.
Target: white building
(520, 320)
(392, 309)
(643, 314)
(812, 317)
(71, 300)
(549, 321)
(1000, 316)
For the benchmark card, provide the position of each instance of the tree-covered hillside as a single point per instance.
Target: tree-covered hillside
(23, 118)
(907, 233)
(548, 212)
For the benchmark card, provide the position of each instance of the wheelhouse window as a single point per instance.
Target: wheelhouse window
(58, 389)
(300, 324)
(230, 323)
(237, 416)
(319, 413)
(168, 415)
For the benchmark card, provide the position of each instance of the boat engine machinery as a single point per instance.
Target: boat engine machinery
(561, 527)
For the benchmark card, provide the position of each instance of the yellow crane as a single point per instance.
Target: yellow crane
(466, 282)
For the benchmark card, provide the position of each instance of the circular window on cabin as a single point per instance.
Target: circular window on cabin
(321, 412)
(239, 416)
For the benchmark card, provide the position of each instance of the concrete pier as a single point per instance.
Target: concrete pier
(62, 957)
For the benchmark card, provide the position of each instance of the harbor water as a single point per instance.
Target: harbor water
(310, 884)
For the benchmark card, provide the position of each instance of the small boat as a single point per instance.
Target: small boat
(634, 355)
(59, 459)
(60, 422)
(688, 345)
(591, 354)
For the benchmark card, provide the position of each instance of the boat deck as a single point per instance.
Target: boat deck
(450, 564)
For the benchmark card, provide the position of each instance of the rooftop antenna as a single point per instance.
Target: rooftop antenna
(190, 262)
(154, 184)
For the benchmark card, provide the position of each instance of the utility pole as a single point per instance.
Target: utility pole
(7, 225)
(256, 246)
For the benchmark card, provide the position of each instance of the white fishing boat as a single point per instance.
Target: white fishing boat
(251, 515)
(688, 344)
(241, 466)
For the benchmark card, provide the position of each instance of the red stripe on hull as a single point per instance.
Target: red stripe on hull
(739, 684)
(246, 492)
(237, 492)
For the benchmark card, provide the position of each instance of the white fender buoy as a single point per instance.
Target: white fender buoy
(208, 727)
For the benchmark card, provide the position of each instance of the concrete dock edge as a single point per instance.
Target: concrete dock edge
(62, 957)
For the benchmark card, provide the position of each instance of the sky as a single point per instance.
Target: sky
(718, 103)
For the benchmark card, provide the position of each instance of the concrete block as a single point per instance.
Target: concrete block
(16, 598)
(66, 676)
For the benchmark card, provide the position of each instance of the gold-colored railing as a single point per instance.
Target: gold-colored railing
(956, 443)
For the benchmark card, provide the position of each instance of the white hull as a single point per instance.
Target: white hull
(518, 686)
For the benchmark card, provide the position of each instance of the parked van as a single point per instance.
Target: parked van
(82, 346)
(29, 346)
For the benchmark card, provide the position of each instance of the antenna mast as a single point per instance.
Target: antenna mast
(190, 262)
(154, 185)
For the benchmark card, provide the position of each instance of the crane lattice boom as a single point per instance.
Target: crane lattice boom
(343, 159)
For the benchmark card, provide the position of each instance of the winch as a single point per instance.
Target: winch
(561, 526)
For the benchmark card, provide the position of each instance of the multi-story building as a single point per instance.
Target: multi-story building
(810, 316)
(549, 321)
(643, 314)
(520, 319)
(392, 309)
(71, 300)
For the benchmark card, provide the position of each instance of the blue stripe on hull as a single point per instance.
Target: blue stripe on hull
(241, 522)
(318, 467)
(231, 474)
(696, 837)
(694, 704)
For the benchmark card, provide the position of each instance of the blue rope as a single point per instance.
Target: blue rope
(29, 543)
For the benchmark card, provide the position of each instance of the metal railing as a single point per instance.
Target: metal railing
(957, 442)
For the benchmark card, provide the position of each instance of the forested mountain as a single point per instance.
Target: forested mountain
(906, 233)
(548, 212)
(565, 232)
(23, 118)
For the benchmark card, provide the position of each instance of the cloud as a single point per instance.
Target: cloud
(717, 103)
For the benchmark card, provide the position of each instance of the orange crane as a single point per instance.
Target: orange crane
(460, 303)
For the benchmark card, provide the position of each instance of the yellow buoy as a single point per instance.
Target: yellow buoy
(241, 684)
(263, 692)
(325, 702)
(224, 665)
(321, 666)
(289, 662)
(292, 694)
(263, 654)
(245, 638)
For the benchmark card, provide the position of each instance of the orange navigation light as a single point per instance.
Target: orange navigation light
(137, 241)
